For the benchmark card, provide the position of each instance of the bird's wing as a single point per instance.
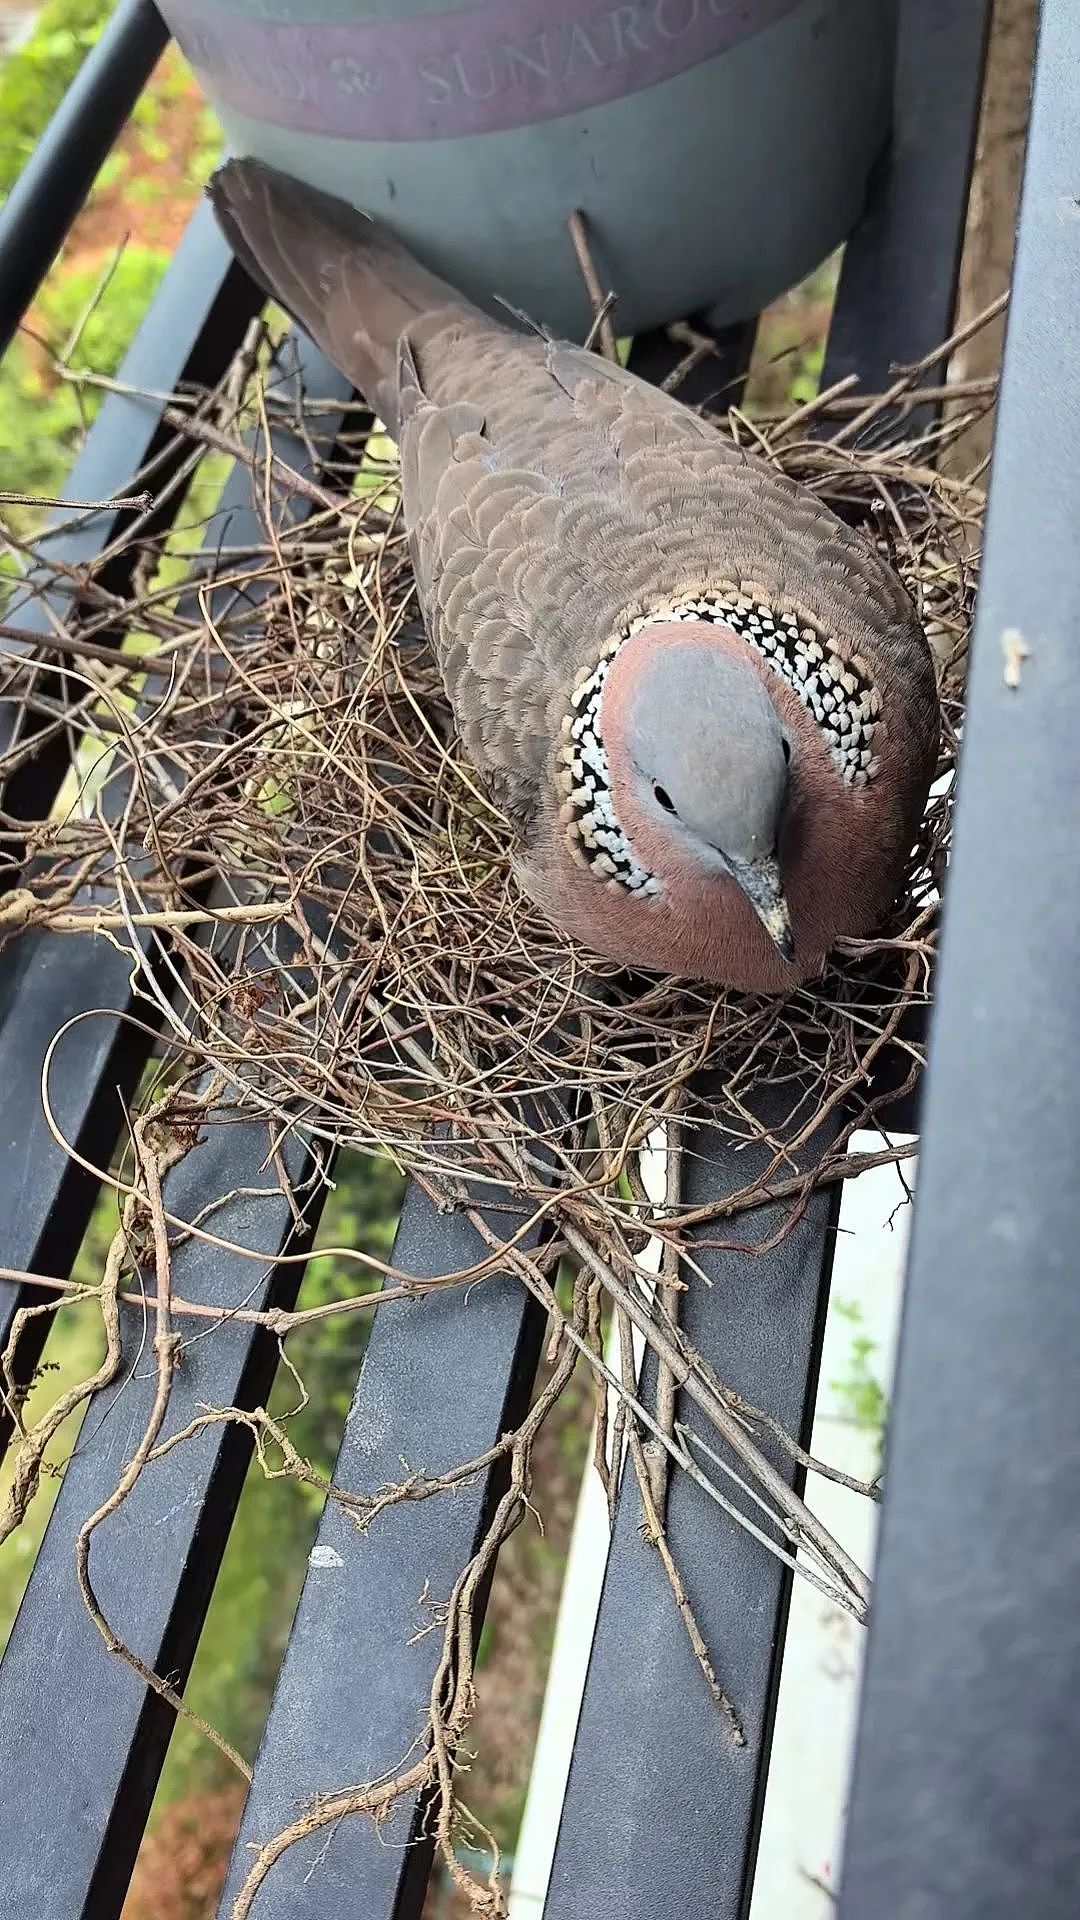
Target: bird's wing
(551, 496)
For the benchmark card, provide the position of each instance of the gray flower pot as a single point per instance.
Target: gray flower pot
(719, 147)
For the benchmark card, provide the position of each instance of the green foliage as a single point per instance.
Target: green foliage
(170, 83)
(862, 1399)
(75, 1349)
(789, 350)
(104, 337)
(36, 76)
(40, 420)
(42, 416)
(37, 424)
(207, 149)
(805, 372)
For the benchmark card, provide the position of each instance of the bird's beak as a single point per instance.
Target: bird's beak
(760, 881)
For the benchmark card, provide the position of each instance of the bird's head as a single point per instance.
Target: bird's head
(696, 761)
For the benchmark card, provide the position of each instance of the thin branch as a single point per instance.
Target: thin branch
(600, 301)
(119, 503)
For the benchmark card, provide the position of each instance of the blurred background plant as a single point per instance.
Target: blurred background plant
(118, 249)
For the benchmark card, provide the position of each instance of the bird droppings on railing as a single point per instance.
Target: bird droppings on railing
(1015, 651)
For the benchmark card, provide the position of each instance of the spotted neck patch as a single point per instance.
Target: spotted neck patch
(839, 694)
(587, 812)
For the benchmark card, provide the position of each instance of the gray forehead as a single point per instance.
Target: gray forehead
(837, 693)
(694, 696)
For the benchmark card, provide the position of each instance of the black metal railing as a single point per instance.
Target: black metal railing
(962, 1802)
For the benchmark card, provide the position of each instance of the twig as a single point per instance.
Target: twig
(600, 302)
(29, 1453)
(210, 436)
(841, 1595)
(132, 503)
(26, 909)
(909, 375)
(841, 401)
(80, 648)
(797, 1517)
(166, 1352)
(826, 401)
(656, 1456)
(654, 1530)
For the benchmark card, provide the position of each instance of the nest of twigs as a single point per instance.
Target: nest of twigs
(270, 796)
(269, 781)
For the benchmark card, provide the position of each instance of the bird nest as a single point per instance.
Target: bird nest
(267, 781)
(270, 817)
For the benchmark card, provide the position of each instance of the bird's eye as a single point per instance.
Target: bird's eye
(663, 797)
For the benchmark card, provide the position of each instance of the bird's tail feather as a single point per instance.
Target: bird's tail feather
(341, 275)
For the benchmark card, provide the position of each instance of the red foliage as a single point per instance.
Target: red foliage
(182, 1863)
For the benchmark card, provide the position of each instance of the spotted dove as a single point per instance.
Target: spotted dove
(704, 703)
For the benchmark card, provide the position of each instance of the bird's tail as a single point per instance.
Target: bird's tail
(341, 275)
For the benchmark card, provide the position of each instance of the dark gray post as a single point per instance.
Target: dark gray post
(965, 1800)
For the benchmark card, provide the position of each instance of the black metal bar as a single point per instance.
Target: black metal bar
(81, 1738)
(902, 262)
(964, 1799)
(762, 1321)
(653, 1755)
(54, 183)
(900, 273)
(442, 1379)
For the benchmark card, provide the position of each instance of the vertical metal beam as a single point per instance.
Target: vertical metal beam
(443, 1378)
(663, 1806)
(191, 332)
(964, 1798)
(82, 1739)
(902, 262)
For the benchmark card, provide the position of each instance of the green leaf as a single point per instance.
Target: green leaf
(36, 76)
(41, 424)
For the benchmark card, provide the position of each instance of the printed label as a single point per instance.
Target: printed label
(437, 76)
